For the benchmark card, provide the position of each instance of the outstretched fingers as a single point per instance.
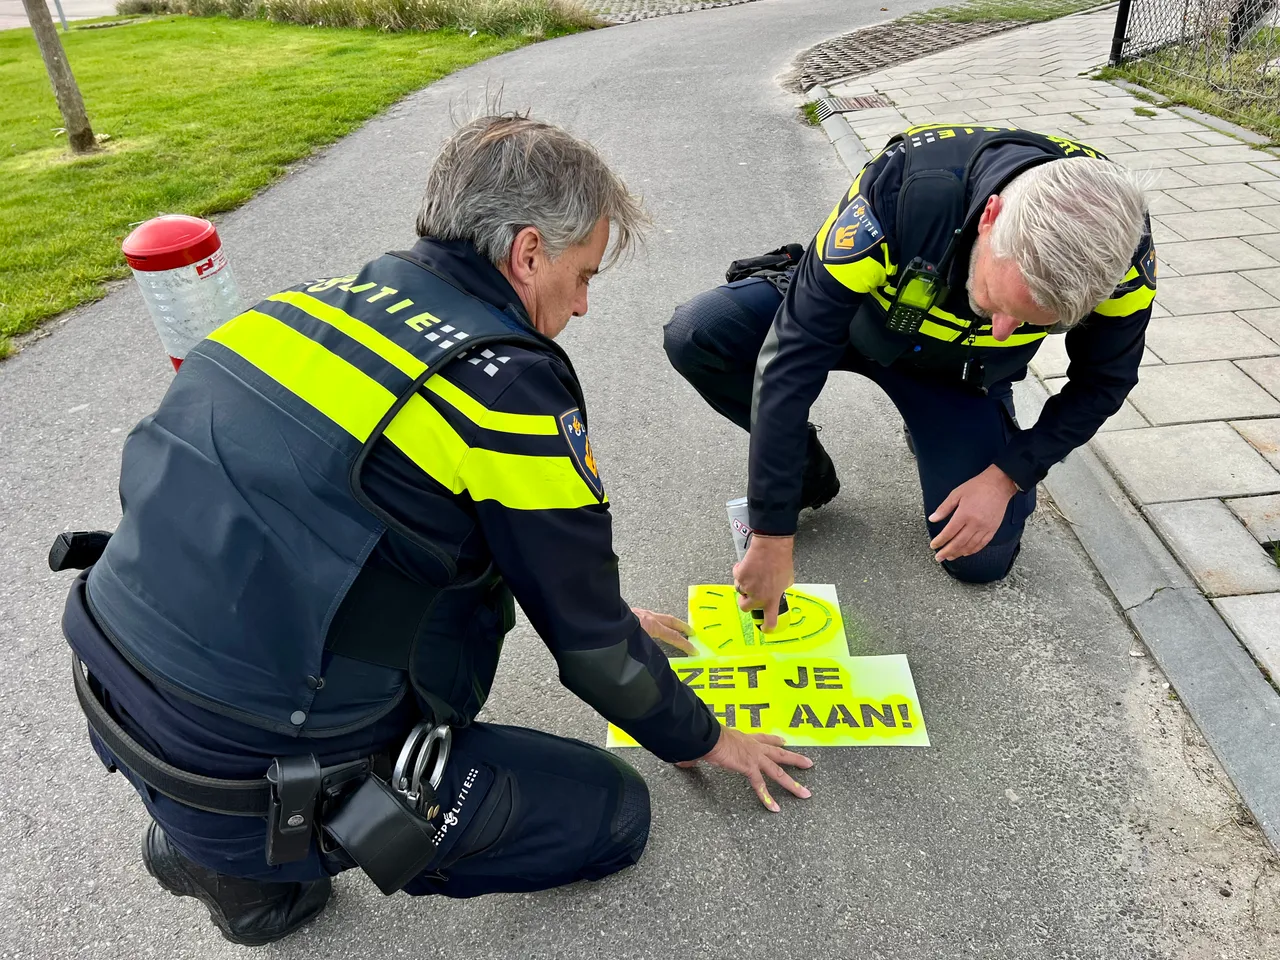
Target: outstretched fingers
(779, 755)
(762, 791)
(783, 778)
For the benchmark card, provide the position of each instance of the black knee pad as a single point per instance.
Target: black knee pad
(628, 829)
(993, 562)
(680, 333)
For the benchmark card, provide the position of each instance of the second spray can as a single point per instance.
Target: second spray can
(741, 530)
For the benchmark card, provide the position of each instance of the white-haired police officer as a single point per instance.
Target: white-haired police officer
(937, 277)
(285, 643)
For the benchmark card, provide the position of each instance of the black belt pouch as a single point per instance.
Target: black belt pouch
(386, 839)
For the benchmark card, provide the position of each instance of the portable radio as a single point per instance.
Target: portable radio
(919, 290)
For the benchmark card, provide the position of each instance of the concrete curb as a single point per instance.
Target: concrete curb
(1229, 699)
(847, 143)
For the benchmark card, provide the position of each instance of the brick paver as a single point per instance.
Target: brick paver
(627, 11)
(1260, 516)
(1197, 446)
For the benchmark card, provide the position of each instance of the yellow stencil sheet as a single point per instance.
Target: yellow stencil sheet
(812, 624)
(810, 700)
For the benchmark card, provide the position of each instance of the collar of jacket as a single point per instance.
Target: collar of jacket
(994, 168)
(991, 173)
(459, 262)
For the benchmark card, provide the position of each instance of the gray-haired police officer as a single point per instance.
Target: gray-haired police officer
(324, 526)
(937, 276)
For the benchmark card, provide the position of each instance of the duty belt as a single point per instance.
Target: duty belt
(296, 793)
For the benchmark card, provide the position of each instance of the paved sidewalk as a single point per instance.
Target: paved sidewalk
(1197, 444)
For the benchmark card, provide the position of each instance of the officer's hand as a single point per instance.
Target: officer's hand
(755, 756)
(663, 626)
(764, 574)
(976, 508)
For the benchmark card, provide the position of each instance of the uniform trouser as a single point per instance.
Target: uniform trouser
(714, 339)
(521, 810)
(556, 811)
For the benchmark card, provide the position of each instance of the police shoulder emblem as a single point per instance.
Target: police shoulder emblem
(854, 232)
(574, 429)
(1147, 266)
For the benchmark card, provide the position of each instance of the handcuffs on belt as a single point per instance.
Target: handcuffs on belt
(386, 827)
(424, 745)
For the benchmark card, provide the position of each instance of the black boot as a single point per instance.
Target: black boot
(911, 444)
(820, 481)
(248, 912)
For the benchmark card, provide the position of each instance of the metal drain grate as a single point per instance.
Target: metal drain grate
(880, 47)
(828, 106)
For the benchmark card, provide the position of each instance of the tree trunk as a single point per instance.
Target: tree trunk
(79, 133)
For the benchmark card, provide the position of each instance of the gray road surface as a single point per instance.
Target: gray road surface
(12, 13)
(1066, 808)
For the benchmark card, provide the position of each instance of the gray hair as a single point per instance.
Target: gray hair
(501, 173)
(1072, 227)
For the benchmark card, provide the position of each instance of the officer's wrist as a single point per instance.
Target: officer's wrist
(1010, 485)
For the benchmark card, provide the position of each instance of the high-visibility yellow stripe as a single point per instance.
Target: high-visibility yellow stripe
(411, 366)
(939, 332)
(521, 482)
(343, 393)
(1128, 304)
(820, 241)
(517, 481)
(950, 318)
(1013, 340)
(537, 425)
(357, 330)
(357, 402)
(862, 275)
(857, 184)
(426, 438)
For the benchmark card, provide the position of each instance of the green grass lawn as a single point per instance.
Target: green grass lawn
(979, 11)
(202, 113)
(1235, 87)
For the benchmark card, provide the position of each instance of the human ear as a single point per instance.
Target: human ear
(526, 250)
(989, 213)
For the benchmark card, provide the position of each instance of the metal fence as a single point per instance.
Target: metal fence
(1227, 51)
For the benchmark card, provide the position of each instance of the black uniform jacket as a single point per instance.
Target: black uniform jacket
(556, 558)
(811, 332)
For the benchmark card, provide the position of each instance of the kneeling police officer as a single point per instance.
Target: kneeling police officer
(937, 276)
(285, 643)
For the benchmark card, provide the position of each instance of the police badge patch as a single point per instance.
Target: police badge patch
(575, 433)
(854, 232)
(1148, 267)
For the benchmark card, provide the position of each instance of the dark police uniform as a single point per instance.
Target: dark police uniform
(324, 525)
(951, 380)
